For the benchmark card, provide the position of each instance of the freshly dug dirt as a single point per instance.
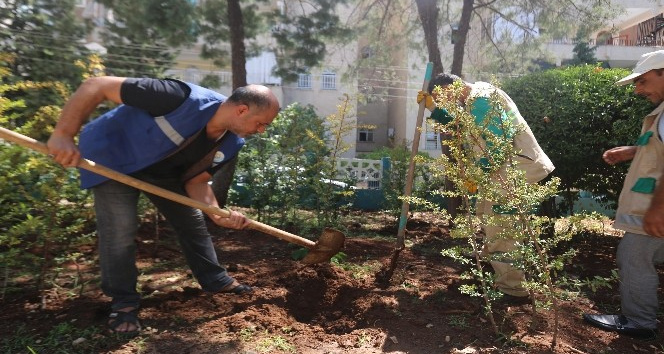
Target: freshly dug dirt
(328, 308)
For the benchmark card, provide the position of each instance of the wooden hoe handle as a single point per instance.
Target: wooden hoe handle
(152, 189)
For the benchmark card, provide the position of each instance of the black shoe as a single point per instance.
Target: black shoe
(621, 325)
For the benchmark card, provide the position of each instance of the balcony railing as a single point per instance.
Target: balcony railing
(618, 42)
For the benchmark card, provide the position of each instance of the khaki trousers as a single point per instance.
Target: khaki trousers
(508, 279)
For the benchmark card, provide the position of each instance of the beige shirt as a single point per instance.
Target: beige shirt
(643, 175)
(529, 155)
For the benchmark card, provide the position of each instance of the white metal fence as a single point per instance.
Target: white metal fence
(368, 173)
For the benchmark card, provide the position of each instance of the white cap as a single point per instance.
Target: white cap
(648, 61)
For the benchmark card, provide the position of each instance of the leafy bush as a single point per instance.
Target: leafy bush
(287, 169)
(577, 113)
(483, 168)
(43, 213)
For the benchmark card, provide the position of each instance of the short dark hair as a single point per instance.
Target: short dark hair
(250, 96)
(442, 79)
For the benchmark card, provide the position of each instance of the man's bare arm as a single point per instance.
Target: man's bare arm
(76, 111)
(619, 154)
(199, 189)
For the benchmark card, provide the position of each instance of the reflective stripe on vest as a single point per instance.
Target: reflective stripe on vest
(168, 130)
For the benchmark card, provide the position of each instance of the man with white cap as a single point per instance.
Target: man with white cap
(640, 211)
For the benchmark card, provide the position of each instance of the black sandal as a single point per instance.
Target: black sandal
(237, 289)
(119, 317)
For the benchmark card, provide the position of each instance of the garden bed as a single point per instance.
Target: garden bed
(315, 309)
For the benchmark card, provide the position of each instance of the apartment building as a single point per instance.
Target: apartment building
(389, 117)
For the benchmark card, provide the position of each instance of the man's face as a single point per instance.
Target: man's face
(651, 86)
(447, 93)
(255, 121)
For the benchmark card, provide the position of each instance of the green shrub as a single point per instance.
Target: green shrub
(577, 113)
(482, 166)
(43, 213)
(285, 170)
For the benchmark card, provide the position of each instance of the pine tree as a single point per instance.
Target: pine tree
(303, 33)
(583, 53)
(141, 38)
(44, 37)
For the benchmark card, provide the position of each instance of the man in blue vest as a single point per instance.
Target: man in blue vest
(168, 133)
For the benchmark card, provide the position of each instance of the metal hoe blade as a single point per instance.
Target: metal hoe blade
(330, 243)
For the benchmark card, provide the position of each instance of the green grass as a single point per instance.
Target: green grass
(458, 321)
(357, 270)
(59, 340)
(272, 343)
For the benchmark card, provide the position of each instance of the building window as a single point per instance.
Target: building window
(432, 137)
(304, 81)
(365, 135)
(432, 141)
(328, 81)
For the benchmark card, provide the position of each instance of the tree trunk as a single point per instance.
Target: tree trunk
(238, 55)
(221, 180)
(428, 12)
(461, 37)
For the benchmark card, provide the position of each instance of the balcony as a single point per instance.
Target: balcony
(618, 52)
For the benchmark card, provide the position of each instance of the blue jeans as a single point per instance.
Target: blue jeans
(638, 256)
(117, 225)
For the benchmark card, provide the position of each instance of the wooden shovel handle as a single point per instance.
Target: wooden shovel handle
(405, 206)
(152, 189)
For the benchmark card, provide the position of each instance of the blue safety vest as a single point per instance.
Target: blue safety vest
(127, 139)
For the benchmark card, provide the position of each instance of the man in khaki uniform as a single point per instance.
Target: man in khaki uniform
(529, 157)
(640, 211)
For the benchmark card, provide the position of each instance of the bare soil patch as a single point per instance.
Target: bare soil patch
(327, 308)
